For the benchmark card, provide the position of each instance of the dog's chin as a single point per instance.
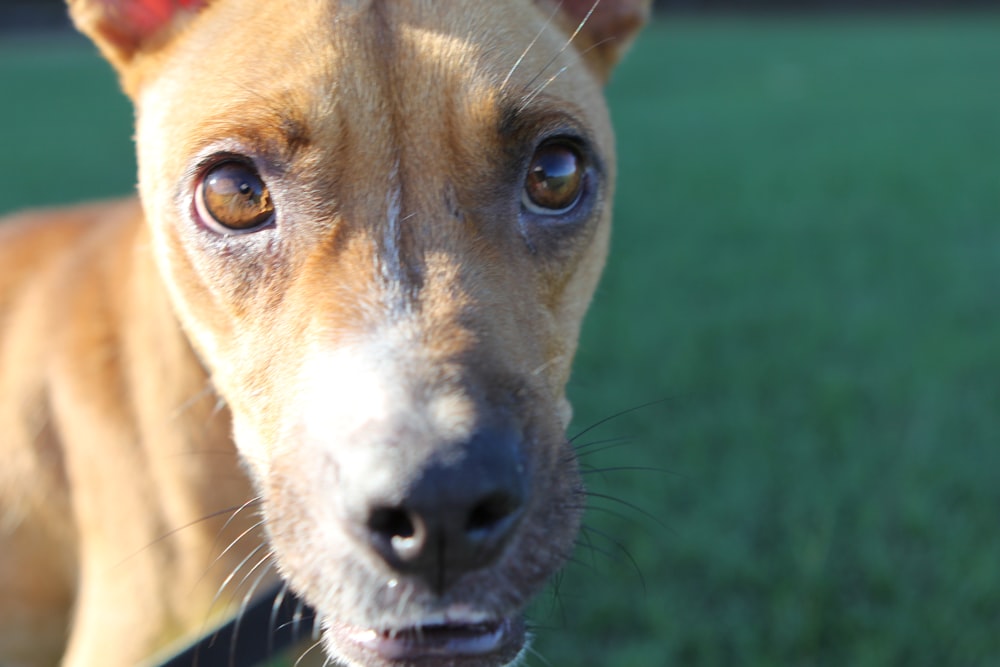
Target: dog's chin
(456, 639)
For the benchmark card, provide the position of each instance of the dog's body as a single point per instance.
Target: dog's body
(368, 234)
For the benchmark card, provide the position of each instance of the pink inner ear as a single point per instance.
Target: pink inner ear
(146, 17)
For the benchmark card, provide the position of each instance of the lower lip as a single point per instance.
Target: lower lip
(449, 644)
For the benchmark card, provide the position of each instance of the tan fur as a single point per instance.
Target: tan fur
(132, 343)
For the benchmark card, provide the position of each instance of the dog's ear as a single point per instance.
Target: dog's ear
(606, 28)
(126, 30)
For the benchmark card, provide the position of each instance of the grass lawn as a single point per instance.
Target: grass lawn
(807, 267)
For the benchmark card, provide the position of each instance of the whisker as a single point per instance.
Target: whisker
(610, 512)
(252, 501)
(625, 503)
(596, 550)
(306, 652)
(534, 652)
(269, 559)
(590, 546)
(295, 621)
(624, 551)
(173, 532)
(542, 368)
(298, 616)
(232, 544)
(279, 599)
(234, 541)
(528, 99)
(520, 59)
(246, 601)
(556, 605)
(616, 415)
(565, 46)
(222, 587)
(534, 626)
(234, 572)
(179, 411)
(622, 439)
(220, 405)
(604, 472)
(573, 560)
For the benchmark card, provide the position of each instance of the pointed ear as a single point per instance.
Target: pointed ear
(607, 28)
(125, 30)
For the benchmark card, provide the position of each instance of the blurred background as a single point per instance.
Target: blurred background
(806, 269)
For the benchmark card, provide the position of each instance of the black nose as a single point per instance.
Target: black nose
(458, 512)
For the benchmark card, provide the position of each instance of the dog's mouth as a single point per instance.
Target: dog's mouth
(446, 642)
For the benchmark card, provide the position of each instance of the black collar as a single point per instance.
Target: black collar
(269, 626)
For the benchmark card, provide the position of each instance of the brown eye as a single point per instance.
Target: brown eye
(555, 179)
(233, 198)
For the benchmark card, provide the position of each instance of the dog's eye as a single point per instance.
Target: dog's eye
(555, 179)
(232, 199)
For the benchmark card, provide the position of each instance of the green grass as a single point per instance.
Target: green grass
(807, 261)
(807, 265)
(64, 129)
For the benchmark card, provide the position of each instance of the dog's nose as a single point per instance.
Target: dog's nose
(458, 512)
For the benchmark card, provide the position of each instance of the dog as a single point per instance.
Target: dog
(328, 342)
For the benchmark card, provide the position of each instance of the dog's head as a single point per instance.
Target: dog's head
(380, 223)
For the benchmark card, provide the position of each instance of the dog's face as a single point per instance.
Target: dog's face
(380, 224)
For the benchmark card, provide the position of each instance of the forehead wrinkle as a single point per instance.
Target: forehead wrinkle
(444, 96)
(274, 132)
(244, 104)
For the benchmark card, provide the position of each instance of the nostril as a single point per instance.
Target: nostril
(391, 522)
(397, 534)
(451, 515)
(487, 514)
